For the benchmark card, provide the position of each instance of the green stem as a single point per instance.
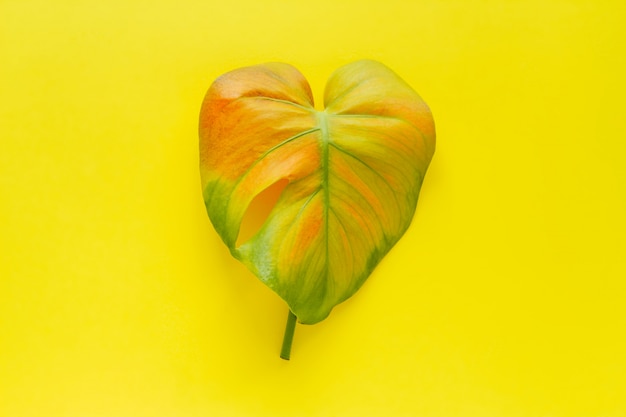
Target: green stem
(285, 352)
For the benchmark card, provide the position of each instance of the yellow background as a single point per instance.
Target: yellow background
(504, 298)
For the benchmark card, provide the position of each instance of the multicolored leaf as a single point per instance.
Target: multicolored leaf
(353, 173)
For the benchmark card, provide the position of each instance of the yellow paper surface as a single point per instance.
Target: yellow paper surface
(504, 298)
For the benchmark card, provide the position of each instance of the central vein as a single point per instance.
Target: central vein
(322, 123)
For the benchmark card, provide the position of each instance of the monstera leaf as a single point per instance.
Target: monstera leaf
(353, 173)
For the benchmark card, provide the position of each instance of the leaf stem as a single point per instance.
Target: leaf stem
(285, 352)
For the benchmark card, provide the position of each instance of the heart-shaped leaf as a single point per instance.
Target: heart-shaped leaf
(354, 172)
